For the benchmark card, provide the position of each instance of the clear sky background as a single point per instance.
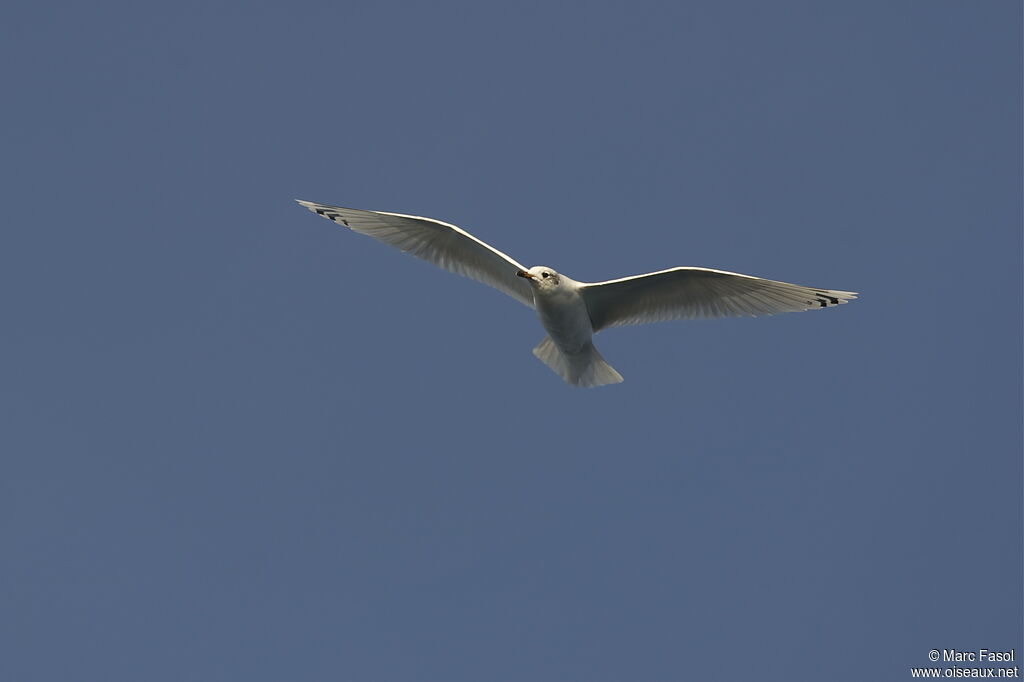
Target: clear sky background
(240, 443)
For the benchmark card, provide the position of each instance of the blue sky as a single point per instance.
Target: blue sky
(241, 443)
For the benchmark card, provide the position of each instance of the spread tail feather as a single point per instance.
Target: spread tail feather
(585, 368)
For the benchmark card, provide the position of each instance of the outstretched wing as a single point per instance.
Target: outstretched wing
(442, 244)
(682, 293)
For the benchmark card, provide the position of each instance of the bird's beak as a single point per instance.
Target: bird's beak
(528, 275)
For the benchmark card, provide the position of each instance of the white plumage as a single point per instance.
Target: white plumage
(572, 312)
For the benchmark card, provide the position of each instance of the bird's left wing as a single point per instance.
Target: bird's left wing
(439, 243)
(681, 293)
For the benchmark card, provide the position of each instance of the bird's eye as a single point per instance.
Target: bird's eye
(547, 274)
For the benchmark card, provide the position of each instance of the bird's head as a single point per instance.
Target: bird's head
(541, 277)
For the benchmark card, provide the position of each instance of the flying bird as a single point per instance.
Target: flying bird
(572, 312)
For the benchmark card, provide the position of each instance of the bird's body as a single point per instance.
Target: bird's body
(563, 313)
(572, 312)
(568, 349)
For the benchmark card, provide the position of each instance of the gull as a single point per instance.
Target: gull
(572, 312)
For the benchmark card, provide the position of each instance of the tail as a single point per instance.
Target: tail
(585, 369)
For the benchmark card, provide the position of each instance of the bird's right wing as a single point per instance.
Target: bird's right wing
(681, 293)
(439, 243)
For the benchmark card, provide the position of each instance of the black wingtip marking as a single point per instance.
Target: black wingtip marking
(825, 300)
(330, 215)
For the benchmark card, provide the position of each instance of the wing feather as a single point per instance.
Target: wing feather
(436, 242)
(684, 293)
